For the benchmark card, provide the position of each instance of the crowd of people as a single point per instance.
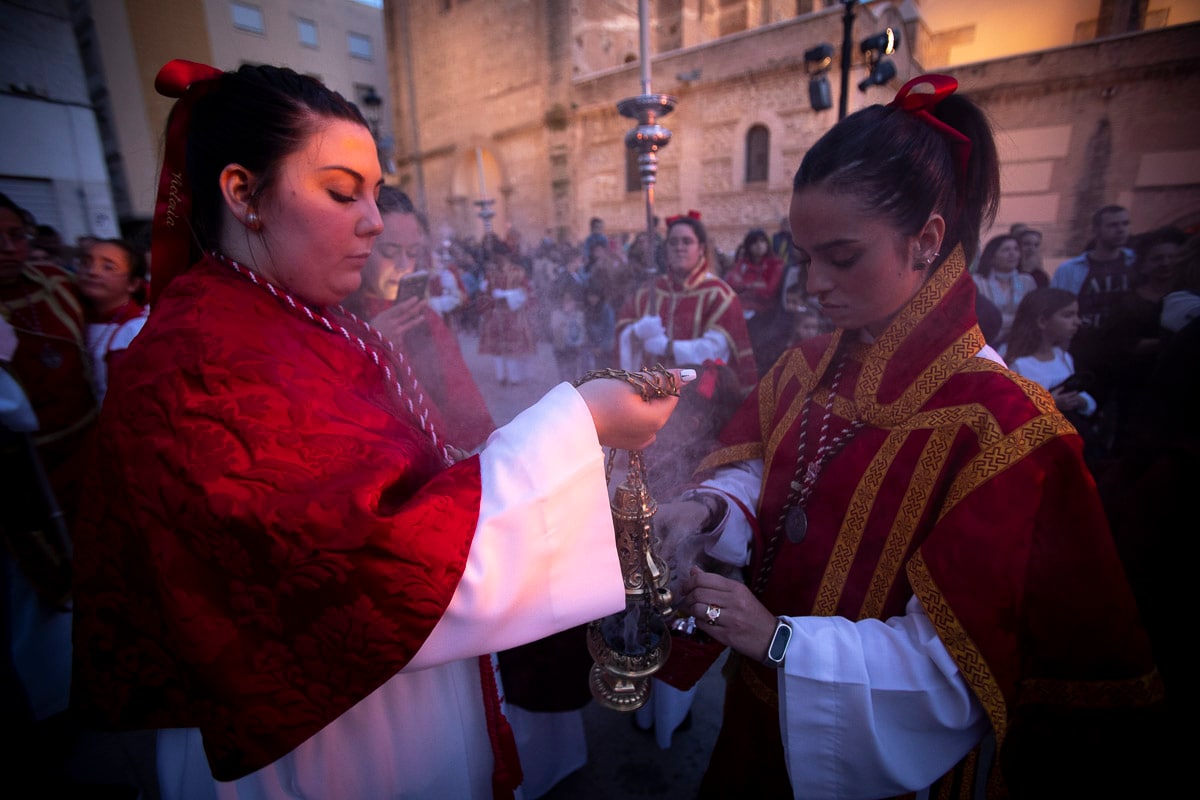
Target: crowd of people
(255, 502)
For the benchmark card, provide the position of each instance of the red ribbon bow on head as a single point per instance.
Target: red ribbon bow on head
(691, 214)
(171, 238)
(919, 97)
(706, 384)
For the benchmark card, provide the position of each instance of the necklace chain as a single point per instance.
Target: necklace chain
(413, 399)
(807, 472)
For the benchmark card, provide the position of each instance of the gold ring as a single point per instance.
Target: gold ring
(713, 613)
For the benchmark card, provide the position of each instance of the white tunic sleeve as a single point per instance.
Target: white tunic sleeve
(544, 557)
(872, 708)
(711, 346)
(869, 708)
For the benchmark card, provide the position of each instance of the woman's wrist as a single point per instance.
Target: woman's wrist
(714, 505)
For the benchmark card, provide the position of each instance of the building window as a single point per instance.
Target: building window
(306, 31)
(247, 17)
(633, 173)
(758, 158)
(360, 45)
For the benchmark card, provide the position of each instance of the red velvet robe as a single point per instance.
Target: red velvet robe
(268, 536)
(690, 309)
(967, 488)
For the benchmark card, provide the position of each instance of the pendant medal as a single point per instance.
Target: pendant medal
(795, 524)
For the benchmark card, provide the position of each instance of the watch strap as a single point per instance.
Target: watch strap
(777, 649)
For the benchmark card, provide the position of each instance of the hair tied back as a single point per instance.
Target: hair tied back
(177, 76)
(170, 242)
(919, 97)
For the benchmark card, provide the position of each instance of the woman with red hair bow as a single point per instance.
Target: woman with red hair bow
(688, 315)
(933, 600)
(283, 563)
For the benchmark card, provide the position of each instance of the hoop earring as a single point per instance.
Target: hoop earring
(926, 264)
(253, 222)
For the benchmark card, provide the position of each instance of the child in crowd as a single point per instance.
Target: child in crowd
(1038, 348)
(1046, 321)
(600, 322)
(568, 334)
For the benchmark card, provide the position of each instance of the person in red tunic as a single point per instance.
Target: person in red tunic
(400, 252)
(505, 328)
(41, 304)
(112, 280)
(932, 600)
(283, 564)
(757, 275)
(688, 315)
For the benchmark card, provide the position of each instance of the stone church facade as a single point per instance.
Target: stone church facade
(514, 102)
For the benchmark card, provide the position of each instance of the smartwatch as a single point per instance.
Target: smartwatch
(779, 644)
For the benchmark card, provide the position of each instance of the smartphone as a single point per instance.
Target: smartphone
(413, 285)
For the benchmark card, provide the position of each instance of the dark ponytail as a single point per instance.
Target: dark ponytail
(900, 166)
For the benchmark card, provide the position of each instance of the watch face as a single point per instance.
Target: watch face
(779, 643)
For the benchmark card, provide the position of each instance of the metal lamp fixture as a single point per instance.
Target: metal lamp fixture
(817, 61)
(874, 49)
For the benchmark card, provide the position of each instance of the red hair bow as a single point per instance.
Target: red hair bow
(171, 238)
(691, 214)
(919, 97)
(706, 384)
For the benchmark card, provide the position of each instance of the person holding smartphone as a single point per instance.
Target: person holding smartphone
(392, 297)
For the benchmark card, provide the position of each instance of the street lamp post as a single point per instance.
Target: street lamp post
(847, 40)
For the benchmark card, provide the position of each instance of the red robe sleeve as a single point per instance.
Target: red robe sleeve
(268, 535)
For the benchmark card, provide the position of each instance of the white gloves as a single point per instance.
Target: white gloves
(498, 294)
(656, 345)
(648, 328)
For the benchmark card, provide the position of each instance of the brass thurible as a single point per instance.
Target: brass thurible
(631, 645)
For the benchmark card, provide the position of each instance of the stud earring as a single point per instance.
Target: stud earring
(253, 222)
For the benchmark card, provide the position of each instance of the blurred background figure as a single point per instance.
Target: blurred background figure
(505, 327)
(687, 315)
(601, 322)
(392, 297)
(113, 282)
(1000, 281)
(1133, 334)
(756, 274)
(1039, 349)
(50, 411)
(1030, 241)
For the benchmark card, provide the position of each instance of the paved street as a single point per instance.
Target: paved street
(623, 762)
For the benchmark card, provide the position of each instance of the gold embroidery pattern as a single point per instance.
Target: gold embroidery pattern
(849, 538)
(1145, 690)
(940, 370)
(765, 693)
(1008, 452)
(728, 455)
(960, 646)
(925, 300)
(912, 505)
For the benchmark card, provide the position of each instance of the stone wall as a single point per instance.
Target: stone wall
(1078, 126)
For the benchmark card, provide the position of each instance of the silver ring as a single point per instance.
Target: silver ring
(713, 613)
